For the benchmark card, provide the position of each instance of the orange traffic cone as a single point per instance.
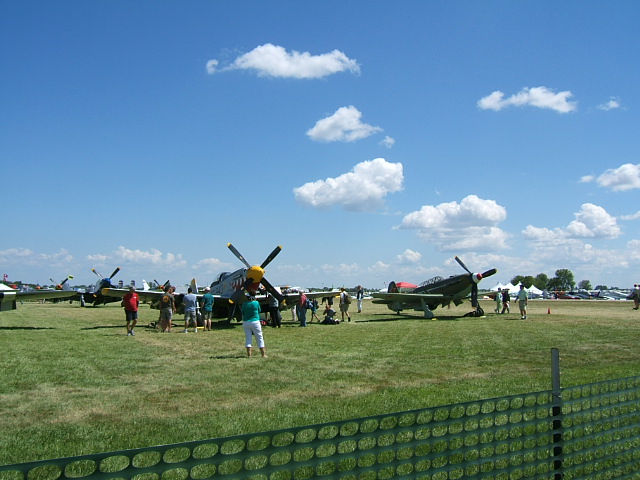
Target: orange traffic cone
(549, 311)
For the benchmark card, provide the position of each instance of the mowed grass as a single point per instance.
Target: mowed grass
(73, 383)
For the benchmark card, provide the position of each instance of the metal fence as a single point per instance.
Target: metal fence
(587, 431)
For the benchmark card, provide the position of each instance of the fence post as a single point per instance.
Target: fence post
(556, 413)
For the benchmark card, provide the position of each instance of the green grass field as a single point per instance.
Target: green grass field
(73, 383)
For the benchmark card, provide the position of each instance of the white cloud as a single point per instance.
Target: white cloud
(471, 211)
(344, 125)
(270, 60)
(362, 189)
(468, 225)
(212, 266)
(408, 257)
(625, 177)
(612, 104)
(633, 216)
(346, 269)
(591, 221)
(540, 97)
(24, 256)
(212, 66)
(541, 235)
(633, 250)
(587, 178)
(97, 258)
(387, 141)
(379, 268)
(594, 221)
(152, 257)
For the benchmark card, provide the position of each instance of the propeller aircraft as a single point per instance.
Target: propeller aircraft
(229, 289)
(95, 295)
(63, 284)
(436, 292)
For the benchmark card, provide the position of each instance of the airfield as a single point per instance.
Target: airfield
(73, 383)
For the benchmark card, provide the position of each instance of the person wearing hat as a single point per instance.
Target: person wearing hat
(251, 324)
(130, 302)
(206, 307)
(522, 298)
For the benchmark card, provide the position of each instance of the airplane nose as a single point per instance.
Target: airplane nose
(477, 277)
(255, 273)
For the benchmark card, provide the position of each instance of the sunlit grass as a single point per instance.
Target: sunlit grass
(72, 382)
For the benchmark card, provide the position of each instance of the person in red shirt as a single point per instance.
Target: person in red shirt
(130, 303)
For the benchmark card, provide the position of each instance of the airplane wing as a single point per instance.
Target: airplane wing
(44, 294)
(411, 297)
(144, 295)
(9, 298)
(293, 298)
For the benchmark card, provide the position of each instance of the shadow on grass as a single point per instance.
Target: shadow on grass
(26, 328)
(227, 357)
(407, 317)
(98, 327)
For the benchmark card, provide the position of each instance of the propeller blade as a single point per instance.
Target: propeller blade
(488, 273)
(238, 255)
(462, 264)
(65, 280)
(270, 288)
(96, 272)
(115, 272)
(271, 256)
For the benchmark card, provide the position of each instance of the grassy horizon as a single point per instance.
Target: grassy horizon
(73, 383)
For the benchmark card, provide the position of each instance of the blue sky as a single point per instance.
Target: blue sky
(373, 140)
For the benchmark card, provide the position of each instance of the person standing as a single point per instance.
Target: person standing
(251, 325)
(301, 309)
(522, 299)
(190, 310)
(359, 296)
(167, 309)
(498, 300)
(274, 311)
(313, 306)
(130, 302)
(345, 301)
(505, 301)
(207, 308)
(635, 296)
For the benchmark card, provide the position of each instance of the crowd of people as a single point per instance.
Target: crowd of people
(201, 310)
(503, 301)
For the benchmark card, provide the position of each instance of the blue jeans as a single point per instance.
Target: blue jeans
(302, 315)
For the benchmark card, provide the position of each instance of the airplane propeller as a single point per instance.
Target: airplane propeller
(115, 272)
(60, 285)
(255, 273)
(161, 286)
(475, 279)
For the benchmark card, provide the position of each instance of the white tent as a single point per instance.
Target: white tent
(534, 291)
(496, 287)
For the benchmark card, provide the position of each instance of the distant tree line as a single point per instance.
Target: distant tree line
(563, 280)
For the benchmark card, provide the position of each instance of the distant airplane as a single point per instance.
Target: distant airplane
(94, 295)
(229, 289)
(63, 284)
(9, 296)
(436, 292)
